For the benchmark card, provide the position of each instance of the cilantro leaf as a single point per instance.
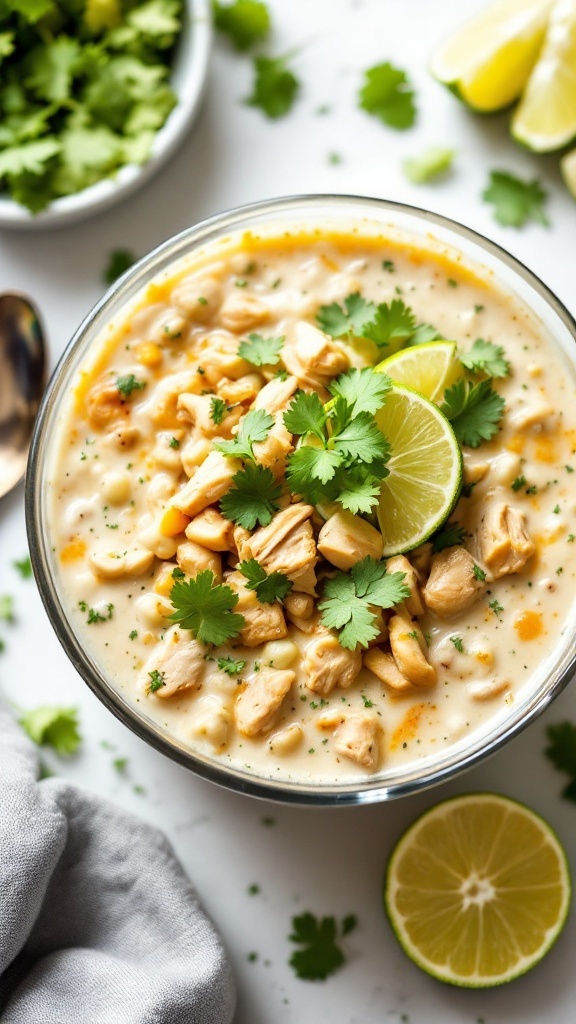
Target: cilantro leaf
(305, 415)
(231, 666)
(449, 536)
(358, 491)
(475, 411)
(51, 69)
(218, 409)
(434, 161)
(562, 754)
(269, 587)
(253, 497)
(422, 334)
(206, 609)
(254, 426)
(387, 94)
(30, 157)
(23, 566)
(362, 439)
(321, 955)
(245, 22)
(515, 201)
(119, 261)
(7, 608)
(275, 87)
(485, 357)
(307, 465)
(261, 351)
(157, 681)
(54, 727)
(363, 390)
(348, 319)
(348, 595)
(128, 383)
(31, 10)
(394, 322)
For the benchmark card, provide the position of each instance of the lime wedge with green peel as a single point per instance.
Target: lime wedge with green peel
(425, 470)
(429, 368)
(568, 168)
(477, 890)
(487, 62)
(545, 118)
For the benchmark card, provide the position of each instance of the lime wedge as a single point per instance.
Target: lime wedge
(546, 115)
(429, 368)
(568, 168)
(425, 470)
(487, 62)
(477, 890)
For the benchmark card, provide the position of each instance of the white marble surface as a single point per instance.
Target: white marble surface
(327, 861)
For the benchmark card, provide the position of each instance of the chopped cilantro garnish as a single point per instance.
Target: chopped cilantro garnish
(457, 641)
(515, 201)
(157, 681)
(178, 573)
(120, 764)
(119, 261)
(245, 22)
(433, 162)
(218, 408)
(275, 87)
(394, 322)
(253, 497)
(485, 357)
(348, 595)
(348, 319)
(23, 567)
(496, 607)
(562, 753)
(478, 572)
(174, 442)
(261, 351)
(320, 955)
(518, 482)
(205, 608)
(132, 634)
(54, 727)
(475, 411)
(388, 266)
(388, 95)
(449, 536)
(94, 615)
(269, 587)
(254, 426)
(127, 384)
(231, 666)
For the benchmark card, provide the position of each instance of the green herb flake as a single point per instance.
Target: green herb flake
(205, 608)
(515, 201)
(261, 351)
(321, 954)
(51, 726)
(457, 641)
(157, 681)
(7, 608)
(435, 161)
(269, 587)
(245, 22)
(119, 261)
(478, 572)
(388, 95)
(128, 383)
(275, 87)
(23, 567)
(518, 482)
(231, 666)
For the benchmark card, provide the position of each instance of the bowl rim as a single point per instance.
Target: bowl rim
(360, 791)
(195, 38)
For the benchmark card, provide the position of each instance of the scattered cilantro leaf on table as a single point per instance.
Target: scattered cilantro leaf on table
(449, 536)
(515, 201)
(474, 410)
(54, 727)
(23, 567)
(320, 955)
(253, 498)
(119, 261)
(388, 95)
(347, 598)
(254, 426)
(562, 753)
(205, 608)
(485, 357)
(269, 587)
(245, 22)
(348, 319)
(261, 351)
(7, 608)
(434, 161)
(275, 87)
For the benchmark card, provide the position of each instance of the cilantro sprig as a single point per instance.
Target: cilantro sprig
(388, 95)
(385, 324)
(261, 351)
(269, 587)
(515, 201)
(275, 86)
(347, 598)
(205, 608)
(320, 954)
(245, 22)
(254, 426)
(475, 411)
(486, 357)
(253, 497)
(53, 726)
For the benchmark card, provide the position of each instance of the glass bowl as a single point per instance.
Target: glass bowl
(429, 229)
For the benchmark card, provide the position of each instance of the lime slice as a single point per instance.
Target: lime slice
(487, 62)
(546, 115)
(568, 168)
(425, 470)
(477, 890)
(429, 368)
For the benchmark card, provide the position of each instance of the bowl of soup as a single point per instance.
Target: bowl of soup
(301, 494)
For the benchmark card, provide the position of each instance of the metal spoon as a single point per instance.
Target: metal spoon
(22, 381)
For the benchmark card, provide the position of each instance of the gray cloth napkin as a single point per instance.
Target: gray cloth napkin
(98, 922)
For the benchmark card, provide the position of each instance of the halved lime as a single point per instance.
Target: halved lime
(477, 890)
(568, 168)
(487, 62)
(429, 368)
(545, 118)
(425, 470)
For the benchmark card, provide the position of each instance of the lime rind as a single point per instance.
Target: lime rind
(391, 889)
(568, 169)
(428, 368)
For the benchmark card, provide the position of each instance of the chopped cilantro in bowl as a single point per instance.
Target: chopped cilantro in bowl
(94, 97)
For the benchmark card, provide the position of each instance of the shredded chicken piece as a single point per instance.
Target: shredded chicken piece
(241, 313)
(504, 542)
(179, 661)
(452, 586)
(256, 707)
(399, 563)
(421, 559)
(383, 666)
(287, 545)
(346, 539)
(358, 739)
(271, 453)
(327, 665)
(275, 395)
(312, 356)
(263, 622)
(408, 647)
(211, 480)
(105, 404)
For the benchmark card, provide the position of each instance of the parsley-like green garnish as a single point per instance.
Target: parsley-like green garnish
(261, 351)
(450, 535)
(245, 22)
(51, 726)
(7, 608)
(23, 567)
(254, 426)
(496, 607)
(132, 634)
(128, 383)
(347, 598)
(363, 390)
(383, 324)
(457, 641)
(475, 411)
(231, 666)
(394, 322)
(478, 572)
(157, 681)
(269, 587)
(253, 498)
(218, 409)
(94, 615)
(275, 87)
(205, 608)
(434, 161)
(515, 201)
(388, 95)
(174, 442)
(518, 482)
(485, 357)
(119, 261)
(321, 955)
(346, 320)
(562, 753)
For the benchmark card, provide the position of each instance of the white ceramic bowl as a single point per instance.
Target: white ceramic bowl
(188, 79)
